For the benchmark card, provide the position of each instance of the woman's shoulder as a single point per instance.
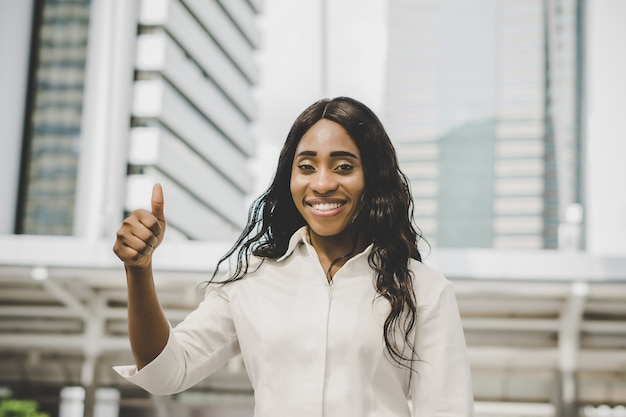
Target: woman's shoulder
(255, 267)
(428, 283)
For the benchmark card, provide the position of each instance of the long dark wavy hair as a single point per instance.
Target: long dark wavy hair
(384, 218)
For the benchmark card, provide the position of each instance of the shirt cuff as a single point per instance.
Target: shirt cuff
(159, 369)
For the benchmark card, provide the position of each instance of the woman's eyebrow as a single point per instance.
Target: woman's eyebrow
(343, 154)
(334, 154)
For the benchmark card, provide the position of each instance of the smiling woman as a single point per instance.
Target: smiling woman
(328, 302)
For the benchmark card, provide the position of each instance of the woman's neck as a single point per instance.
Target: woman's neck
(334, 251)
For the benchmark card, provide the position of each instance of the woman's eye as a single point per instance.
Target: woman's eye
(344, 168)
(305, 167)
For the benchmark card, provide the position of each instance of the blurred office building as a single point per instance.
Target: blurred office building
(487, 106)
(485, 102)
(118, 96)
(100, 99)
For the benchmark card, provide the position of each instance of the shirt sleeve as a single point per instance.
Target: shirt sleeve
(441, 385)
(200, 345)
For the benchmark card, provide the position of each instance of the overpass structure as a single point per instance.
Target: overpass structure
(546, 330)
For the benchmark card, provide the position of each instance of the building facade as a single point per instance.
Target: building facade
(484, 101)
(101, 99)
(118, 95)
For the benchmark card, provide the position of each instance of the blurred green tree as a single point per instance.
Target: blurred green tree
(20, 408)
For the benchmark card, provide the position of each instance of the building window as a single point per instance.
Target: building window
(52, 130)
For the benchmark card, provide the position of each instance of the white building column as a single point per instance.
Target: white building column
(569, 349)
(606, 128)
(107, 403)
(106, 117)
(72, 402)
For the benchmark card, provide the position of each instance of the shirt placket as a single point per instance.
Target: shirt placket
(325, 306)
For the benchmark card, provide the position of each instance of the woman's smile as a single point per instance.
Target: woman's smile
(325, 208)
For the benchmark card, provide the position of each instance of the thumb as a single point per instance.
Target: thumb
(158, 202)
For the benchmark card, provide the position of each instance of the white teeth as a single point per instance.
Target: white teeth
(326, 206)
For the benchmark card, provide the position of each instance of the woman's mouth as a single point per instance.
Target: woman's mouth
(325, 207)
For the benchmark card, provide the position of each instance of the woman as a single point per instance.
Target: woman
(329, 304)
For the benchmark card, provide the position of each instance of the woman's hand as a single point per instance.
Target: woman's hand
(141, 233)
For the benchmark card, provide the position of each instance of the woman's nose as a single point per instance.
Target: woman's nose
(324, 181)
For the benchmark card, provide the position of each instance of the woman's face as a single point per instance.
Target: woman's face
(327, 180)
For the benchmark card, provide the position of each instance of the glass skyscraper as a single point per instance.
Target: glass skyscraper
(53, 131)
(484, 105)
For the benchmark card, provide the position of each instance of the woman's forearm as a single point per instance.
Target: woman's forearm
(147, 326)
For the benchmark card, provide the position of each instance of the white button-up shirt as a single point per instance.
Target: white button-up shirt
(314, 349)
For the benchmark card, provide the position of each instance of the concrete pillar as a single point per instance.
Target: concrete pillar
(72, 402)
(565, 403)
(107, 402)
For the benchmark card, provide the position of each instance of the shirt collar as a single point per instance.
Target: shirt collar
(300, 236)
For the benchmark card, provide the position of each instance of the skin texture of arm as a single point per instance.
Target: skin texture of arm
(140, 234)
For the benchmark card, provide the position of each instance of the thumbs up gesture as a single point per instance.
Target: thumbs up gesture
(141, 233)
